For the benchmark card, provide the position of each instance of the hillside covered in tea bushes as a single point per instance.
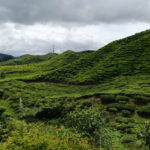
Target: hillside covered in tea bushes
(86, 100)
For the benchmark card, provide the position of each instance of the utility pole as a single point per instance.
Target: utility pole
(53, 49)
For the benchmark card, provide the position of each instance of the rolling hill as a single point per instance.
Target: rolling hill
(125, 57)
(27, 59)
(125, 62)
(129, 56)
(78, 100)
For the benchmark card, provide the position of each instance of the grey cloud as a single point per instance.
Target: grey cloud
(42, 47)
(19, 39)
(74, 11)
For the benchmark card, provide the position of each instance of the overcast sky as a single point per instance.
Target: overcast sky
(34, 26)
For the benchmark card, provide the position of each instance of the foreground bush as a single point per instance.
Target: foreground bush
(41, 137)
(90, 123)
(87, 121)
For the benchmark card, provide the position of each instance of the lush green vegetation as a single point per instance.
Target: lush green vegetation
(4, 57)
(78, 101)
(27, 59)
(129, 56)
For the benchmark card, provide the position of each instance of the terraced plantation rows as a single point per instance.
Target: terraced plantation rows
(87, 100)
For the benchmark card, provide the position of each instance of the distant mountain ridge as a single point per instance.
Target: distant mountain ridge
(27, 59)
(5, 57)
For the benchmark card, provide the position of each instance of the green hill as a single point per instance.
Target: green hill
(125, 57)
(33, 70)
(87, 100)
(28, 59)
(129, 56)
(4, 57)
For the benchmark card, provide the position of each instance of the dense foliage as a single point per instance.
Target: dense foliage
(27, 59)
(4, 57)
(78, 101)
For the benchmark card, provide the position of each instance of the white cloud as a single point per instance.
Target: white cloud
(19, 39)
(33, 26)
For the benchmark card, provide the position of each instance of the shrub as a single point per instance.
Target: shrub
(2, 110)
(40, 137)
(108, 98)
(86, 120)
(7, 115)
(126, 113)
(121, 107)
(1, 93)
(122, 98)
(129, 139)
(142, 99)
(125, 127)
(121, 119)
(68, 107)
(49, 113)
(144, 111)
(113, 109)
(90, 123)
(85, 104)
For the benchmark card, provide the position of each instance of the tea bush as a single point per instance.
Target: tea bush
(41, 137)
(144, 111)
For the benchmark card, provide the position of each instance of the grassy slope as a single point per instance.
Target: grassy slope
(128, 56)
(30, 71)
(121, 61)
(120, 76)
